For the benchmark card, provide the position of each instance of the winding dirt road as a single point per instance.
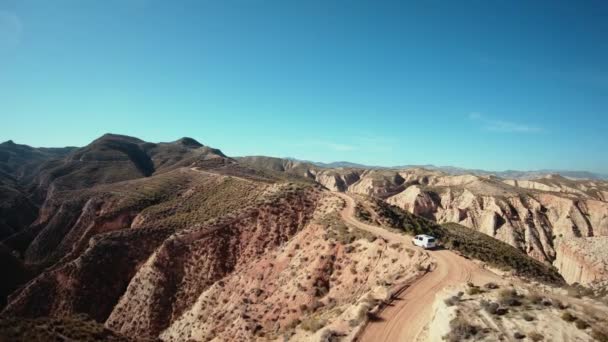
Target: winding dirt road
(409, 312)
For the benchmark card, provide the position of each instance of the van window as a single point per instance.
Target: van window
(431, 240)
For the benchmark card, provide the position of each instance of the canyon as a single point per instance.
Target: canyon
(130, 240)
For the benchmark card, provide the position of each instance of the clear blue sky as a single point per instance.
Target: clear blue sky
(479, 84)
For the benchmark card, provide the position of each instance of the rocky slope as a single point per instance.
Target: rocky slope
(583, 260)
(531, 215)
(491, 312)
(177, 241)
(531, 218)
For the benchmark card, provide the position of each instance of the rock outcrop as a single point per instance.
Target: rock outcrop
(583, 260)
(529, 215)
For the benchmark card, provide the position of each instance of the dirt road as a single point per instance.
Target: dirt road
(406, 316)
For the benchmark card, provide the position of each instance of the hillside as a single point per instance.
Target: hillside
(128, 240)
(532, 215)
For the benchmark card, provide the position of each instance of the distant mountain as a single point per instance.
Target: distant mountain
(520, 175)
(453, 170)
(346, 164)
(174, 240)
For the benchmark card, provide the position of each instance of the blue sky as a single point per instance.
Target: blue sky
(480, 84)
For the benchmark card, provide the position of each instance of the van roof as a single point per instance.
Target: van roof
(426, 236)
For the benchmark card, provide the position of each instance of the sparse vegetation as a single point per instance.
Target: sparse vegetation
(77, 328)
(312, 324)
(599, 335)
(468, 242)
(535, 336)
(489, 306)
(580, 324)
(509, 297)
(568, 317)
(578, 291)
(461, 330)
(527, 317)
(491, 286)
(475, 290)
(451, 301)
(519, 336)
(535, 298)
(339, 231)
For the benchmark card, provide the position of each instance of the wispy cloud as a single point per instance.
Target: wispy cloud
(496, 125)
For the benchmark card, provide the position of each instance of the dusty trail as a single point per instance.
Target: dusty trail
(410, 311)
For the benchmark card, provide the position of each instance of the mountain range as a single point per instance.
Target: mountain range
(453, 170)
(128, 240)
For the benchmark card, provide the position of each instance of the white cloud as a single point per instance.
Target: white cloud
(501, 125)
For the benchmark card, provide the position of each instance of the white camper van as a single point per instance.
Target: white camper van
(424, 241)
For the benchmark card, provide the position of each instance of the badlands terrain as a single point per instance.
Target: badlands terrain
(129, 240)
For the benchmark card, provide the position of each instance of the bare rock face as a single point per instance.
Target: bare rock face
(583, 260)
(337, 181)
(528, 214)
(416, 201)
(188, 263)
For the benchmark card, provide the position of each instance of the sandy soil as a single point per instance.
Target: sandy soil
(406, 316)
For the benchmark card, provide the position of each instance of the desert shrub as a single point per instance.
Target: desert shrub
(451, 301)
(558, 304)
(535, 298)
(568, 317)
(581, 324)
(509, 297)
(578, 291)
(461, 330)
(491, 286)
(471, 291)
(312, 324)
(599, 335)
(362, 214)
(527, 317)
(329, 336)
(519, 336)
(534, 336)
(489, 306)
